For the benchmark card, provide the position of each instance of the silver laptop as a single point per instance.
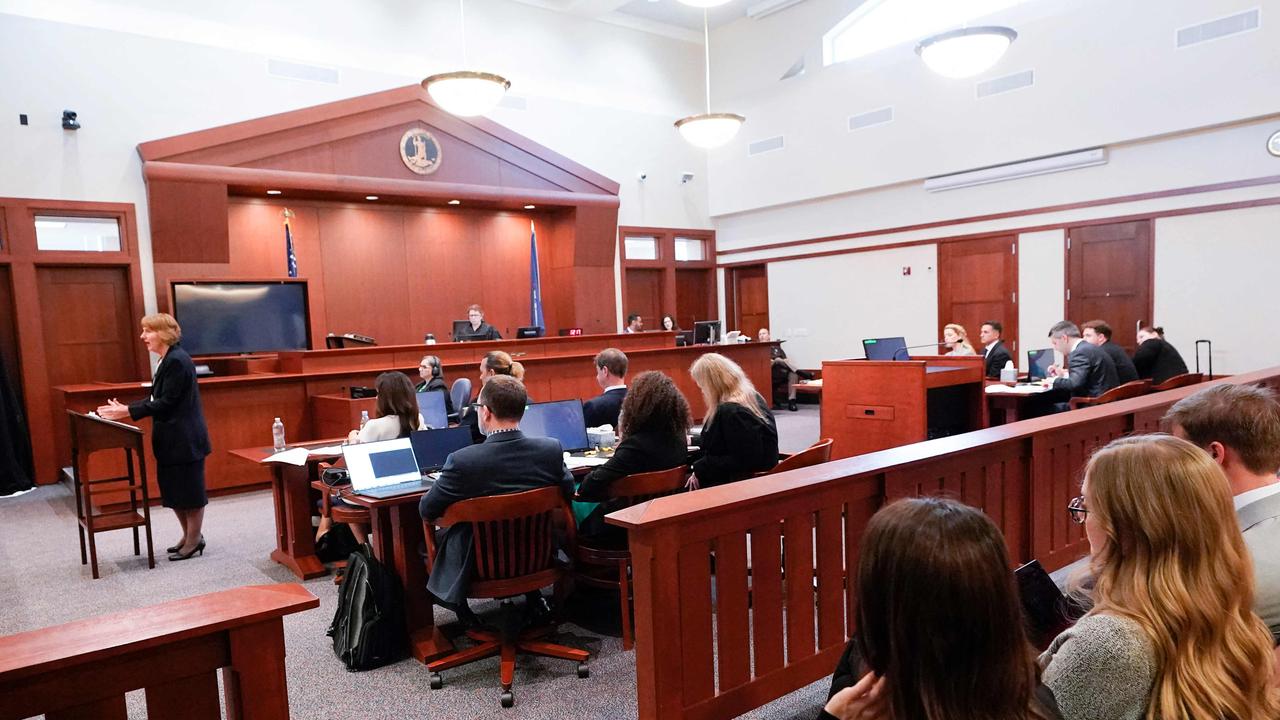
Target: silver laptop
(384, 469)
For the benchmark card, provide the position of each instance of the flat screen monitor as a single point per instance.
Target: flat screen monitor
(1038, 362)
(706, 332)
(431, 448)
(561, 419)
(461, 329)
(375, 464)
(226, 318)
(431, 405)
(684, 337)
(532, 331)
(890, 348)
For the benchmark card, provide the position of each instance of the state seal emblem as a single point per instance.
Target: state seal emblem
(420, 151)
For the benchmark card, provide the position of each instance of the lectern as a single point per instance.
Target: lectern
(90, 434)
(870, 405)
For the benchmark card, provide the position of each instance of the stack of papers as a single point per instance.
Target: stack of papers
(292, 456)
(573, 463)
(1016, 389)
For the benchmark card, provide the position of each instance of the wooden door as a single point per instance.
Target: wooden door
(694, 297)
(644, 296)
(749, 301)
(90, 332)
(1109, 277)
(977, 282)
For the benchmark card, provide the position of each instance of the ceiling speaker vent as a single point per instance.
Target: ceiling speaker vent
(874, 117)
(300, 71)
(764, 146)
(1005, 84)
(1223, 27)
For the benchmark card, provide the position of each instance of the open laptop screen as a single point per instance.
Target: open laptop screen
(376, 464)
(431, 405)
(890, 348)
(432, 447)
(561, 420)
(1038, 362)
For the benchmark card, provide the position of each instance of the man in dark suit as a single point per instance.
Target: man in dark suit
(506, 462)
(611, 375)
(993, 347)
(1098, 332)
(1089, 372)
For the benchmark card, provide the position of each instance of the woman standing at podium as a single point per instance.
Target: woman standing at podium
(179, 436)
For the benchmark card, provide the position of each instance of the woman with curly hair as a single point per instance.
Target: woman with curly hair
(1172, 634)
(653, 428)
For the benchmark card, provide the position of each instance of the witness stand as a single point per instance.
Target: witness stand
(90, 434)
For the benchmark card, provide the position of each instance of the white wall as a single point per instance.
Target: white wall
(850, 297)
(1041, 289)
(1215, 278)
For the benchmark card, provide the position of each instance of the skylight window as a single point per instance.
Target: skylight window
(880, 24)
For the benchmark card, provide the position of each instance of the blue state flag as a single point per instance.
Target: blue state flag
(290, 258)
(535, 283)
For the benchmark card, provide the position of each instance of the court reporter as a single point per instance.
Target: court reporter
(179, 435)
(432, 374)
(739, 437)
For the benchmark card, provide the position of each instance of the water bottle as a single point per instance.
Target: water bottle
(277, 434)
(364, 418)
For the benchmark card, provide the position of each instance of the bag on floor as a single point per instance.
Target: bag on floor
(368, 627)
(336, 544)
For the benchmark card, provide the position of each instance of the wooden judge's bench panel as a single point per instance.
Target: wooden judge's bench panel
(240, 408)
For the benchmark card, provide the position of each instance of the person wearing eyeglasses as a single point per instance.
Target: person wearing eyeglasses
(1171, 633)
(432, 374)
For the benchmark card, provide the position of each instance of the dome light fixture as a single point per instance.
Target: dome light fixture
(466, 93)
(709, 129)
(965, 52)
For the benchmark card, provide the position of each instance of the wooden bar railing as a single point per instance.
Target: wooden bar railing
(83, 669)
(742, 591)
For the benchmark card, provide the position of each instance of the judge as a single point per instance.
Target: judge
(478, 329)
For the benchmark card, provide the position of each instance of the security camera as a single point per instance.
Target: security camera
(69, 121)
(643, 176)
(686, 177)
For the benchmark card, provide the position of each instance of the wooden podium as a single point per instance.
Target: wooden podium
(90, 434)
(870, 405)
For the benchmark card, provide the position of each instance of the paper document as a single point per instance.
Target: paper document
(328, 450)
(573, 463)
(93, 414)
(292, 456)
(1016, 389)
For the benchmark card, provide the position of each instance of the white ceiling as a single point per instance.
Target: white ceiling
(677, 14)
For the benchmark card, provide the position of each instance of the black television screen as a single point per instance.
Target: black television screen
(225, 318)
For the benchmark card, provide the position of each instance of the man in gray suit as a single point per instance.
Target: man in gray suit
(1239, 426)
(1089, 371)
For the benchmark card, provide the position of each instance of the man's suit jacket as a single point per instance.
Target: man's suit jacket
(1125, 371)
(996, 359)
(1260, 521)
(178, 431)
(1089, 372)
(506, 462)
(1158, 360)
(604, 408)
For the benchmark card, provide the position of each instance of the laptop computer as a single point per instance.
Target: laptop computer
(431, 405)
(1038, 362)
(890, 348)
(561, 419)
(432, 447)
(384, 469)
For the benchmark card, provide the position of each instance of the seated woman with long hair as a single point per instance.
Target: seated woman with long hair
(1172, 634)
(396, 408)
(653, 427)
(957, 340)
(739, 436)
(940, 628)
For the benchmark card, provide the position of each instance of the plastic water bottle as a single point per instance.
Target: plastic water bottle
(277, 434)
(364, 418)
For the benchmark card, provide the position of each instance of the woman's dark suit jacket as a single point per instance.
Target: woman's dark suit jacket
(1158, 360)
(179, 434)
(639, 452)
(736, 444)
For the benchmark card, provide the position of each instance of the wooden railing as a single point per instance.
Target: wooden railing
(83, 669)
(742, 591)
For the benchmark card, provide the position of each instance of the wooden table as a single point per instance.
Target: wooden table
(294, 506)
(1011, 406)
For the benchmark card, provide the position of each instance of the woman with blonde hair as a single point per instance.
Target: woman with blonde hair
(957, 340)
(739, 437)
(1172, 634)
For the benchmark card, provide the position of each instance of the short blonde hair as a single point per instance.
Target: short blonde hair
(165, 326)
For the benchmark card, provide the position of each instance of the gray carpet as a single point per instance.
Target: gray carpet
(44, 584)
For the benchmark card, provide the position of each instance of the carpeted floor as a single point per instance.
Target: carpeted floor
(44, 584)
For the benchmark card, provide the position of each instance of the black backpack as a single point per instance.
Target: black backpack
(368, 628)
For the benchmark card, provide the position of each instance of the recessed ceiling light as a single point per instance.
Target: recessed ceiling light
(455, 202)
(274, 192)
(370, 197)
(528, 207)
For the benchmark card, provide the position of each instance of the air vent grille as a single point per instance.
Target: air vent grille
(300, 71)
(1223, 27)
(764, 146)
(874, 117)
(1007, 83)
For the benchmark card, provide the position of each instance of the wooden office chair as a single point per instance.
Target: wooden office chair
(610, 567)
(1178, 381)
(815, 454)
(514, 554)
(1123, 392)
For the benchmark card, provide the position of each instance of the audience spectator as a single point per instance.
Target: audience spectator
(654, 434)
(957, 340)
(1171, 634)
(1155, 358)
(611, 376)
(957, 651)
(739, 436)
(1098, 333)
(432, 374)
(993, 348)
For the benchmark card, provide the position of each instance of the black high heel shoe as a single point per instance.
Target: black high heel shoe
(178, 545)
(198, 549)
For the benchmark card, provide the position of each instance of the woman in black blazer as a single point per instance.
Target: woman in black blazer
(179, 436)
(739, 436)
(1155, 358)
(654, 427)
(432, 375)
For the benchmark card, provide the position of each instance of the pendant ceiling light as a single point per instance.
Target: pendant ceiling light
(965, 52)
(709, 129)
(466, 93)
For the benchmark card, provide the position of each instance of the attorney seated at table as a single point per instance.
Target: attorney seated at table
(506, 462)
(1098, 332)
(492, 364)
(479, 329)
(993, 348)
(739, 437)
(611, 376)
(1089, 371)
(654, 429)
(432, 375)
